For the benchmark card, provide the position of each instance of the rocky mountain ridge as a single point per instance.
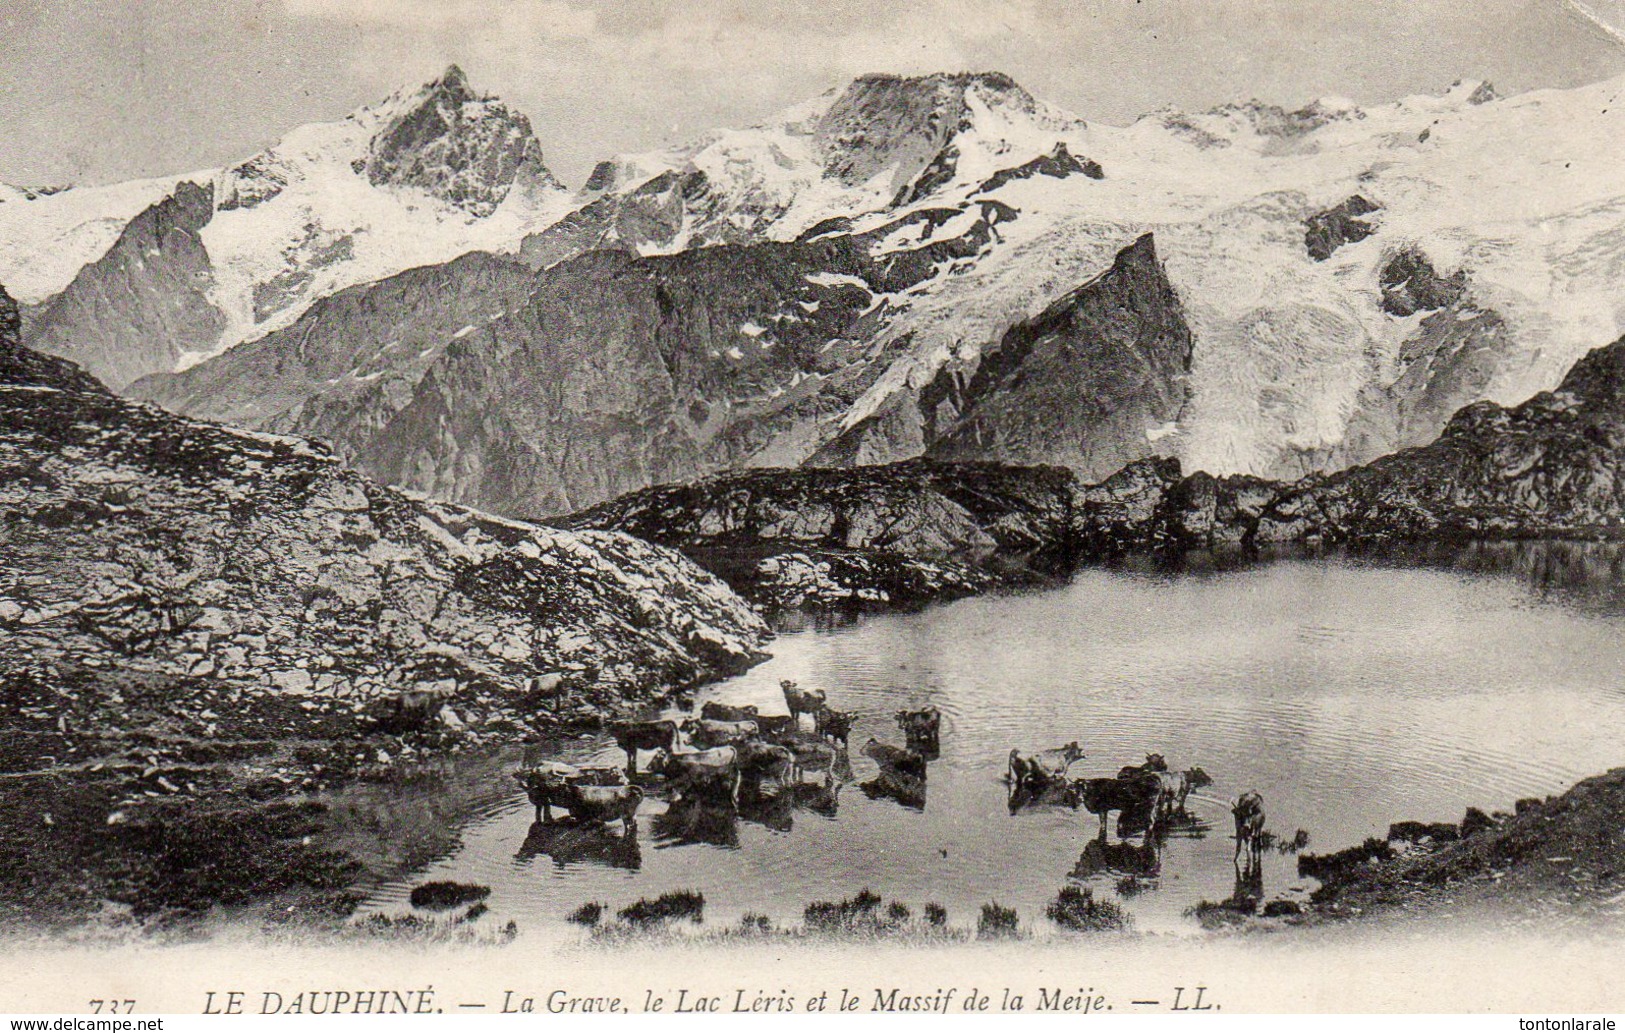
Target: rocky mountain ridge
(1290, 238)
(538, 394)
(1552, 467)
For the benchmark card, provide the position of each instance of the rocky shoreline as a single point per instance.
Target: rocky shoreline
(203, 630)
(1554, 861)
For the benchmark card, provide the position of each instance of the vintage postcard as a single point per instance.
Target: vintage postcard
(569, 507)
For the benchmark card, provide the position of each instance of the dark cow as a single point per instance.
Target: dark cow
(589, 794)
(780, 728)
(727, 712)
(1135, 798)
(803, 701)
(921, 728)
(759, 760)
(1043, 767)
(895, 758)
(1248, 810)
(835, 725)
(632, 736)
(1154, 764)
(702, 772)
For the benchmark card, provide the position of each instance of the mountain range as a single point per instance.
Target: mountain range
(939, 266)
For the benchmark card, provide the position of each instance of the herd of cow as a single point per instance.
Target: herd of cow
(726, 750)
(1147, 797)
(723, 751)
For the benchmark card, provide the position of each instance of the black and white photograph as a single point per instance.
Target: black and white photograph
(947, 507)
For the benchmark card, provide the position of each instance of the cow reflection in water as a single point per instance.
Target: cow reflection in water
(1249, 890)
(1140, 860)
(774, 806)
(586, 843)
(1022, 795)
(891, 784)
(900, 775)
(698, 820)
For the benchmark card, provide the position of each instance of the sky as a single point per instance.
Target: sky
(96, 91)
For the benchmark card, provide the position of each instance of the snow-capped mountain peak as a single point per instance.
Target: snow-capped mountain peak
(880, 142)
(427, 175)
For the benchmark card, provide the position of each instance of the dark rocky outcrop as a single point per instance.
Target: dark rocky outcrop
(1325, 232)
(140, 547)
(1058, 164)
(143, 304)
(1410, 284)
(1080, 385)
(1553, 467)
(1556, 857)
(1088, 384)
(899, 534)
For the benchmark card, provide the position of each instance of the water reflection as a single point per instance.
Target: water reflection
(1353, 690)
(692, 820)
(1099, 857)
(1590, 574)
(900, 788)
(575, 844)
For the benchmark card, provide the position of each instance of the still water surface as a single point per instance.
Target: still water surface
(1348, 693)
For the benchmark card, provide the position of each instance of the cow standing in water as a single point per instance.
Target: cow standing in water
(921, 729)
(803, 701)
(1248, 811)
(835, 725)
(1135, 797)
(632, 736)
(1044, 767)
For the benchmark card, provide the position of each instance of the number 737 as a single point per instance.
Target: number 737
(113, 1006)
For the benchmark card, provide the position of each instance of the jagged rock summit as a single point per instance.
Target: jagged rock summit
(464, 148)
